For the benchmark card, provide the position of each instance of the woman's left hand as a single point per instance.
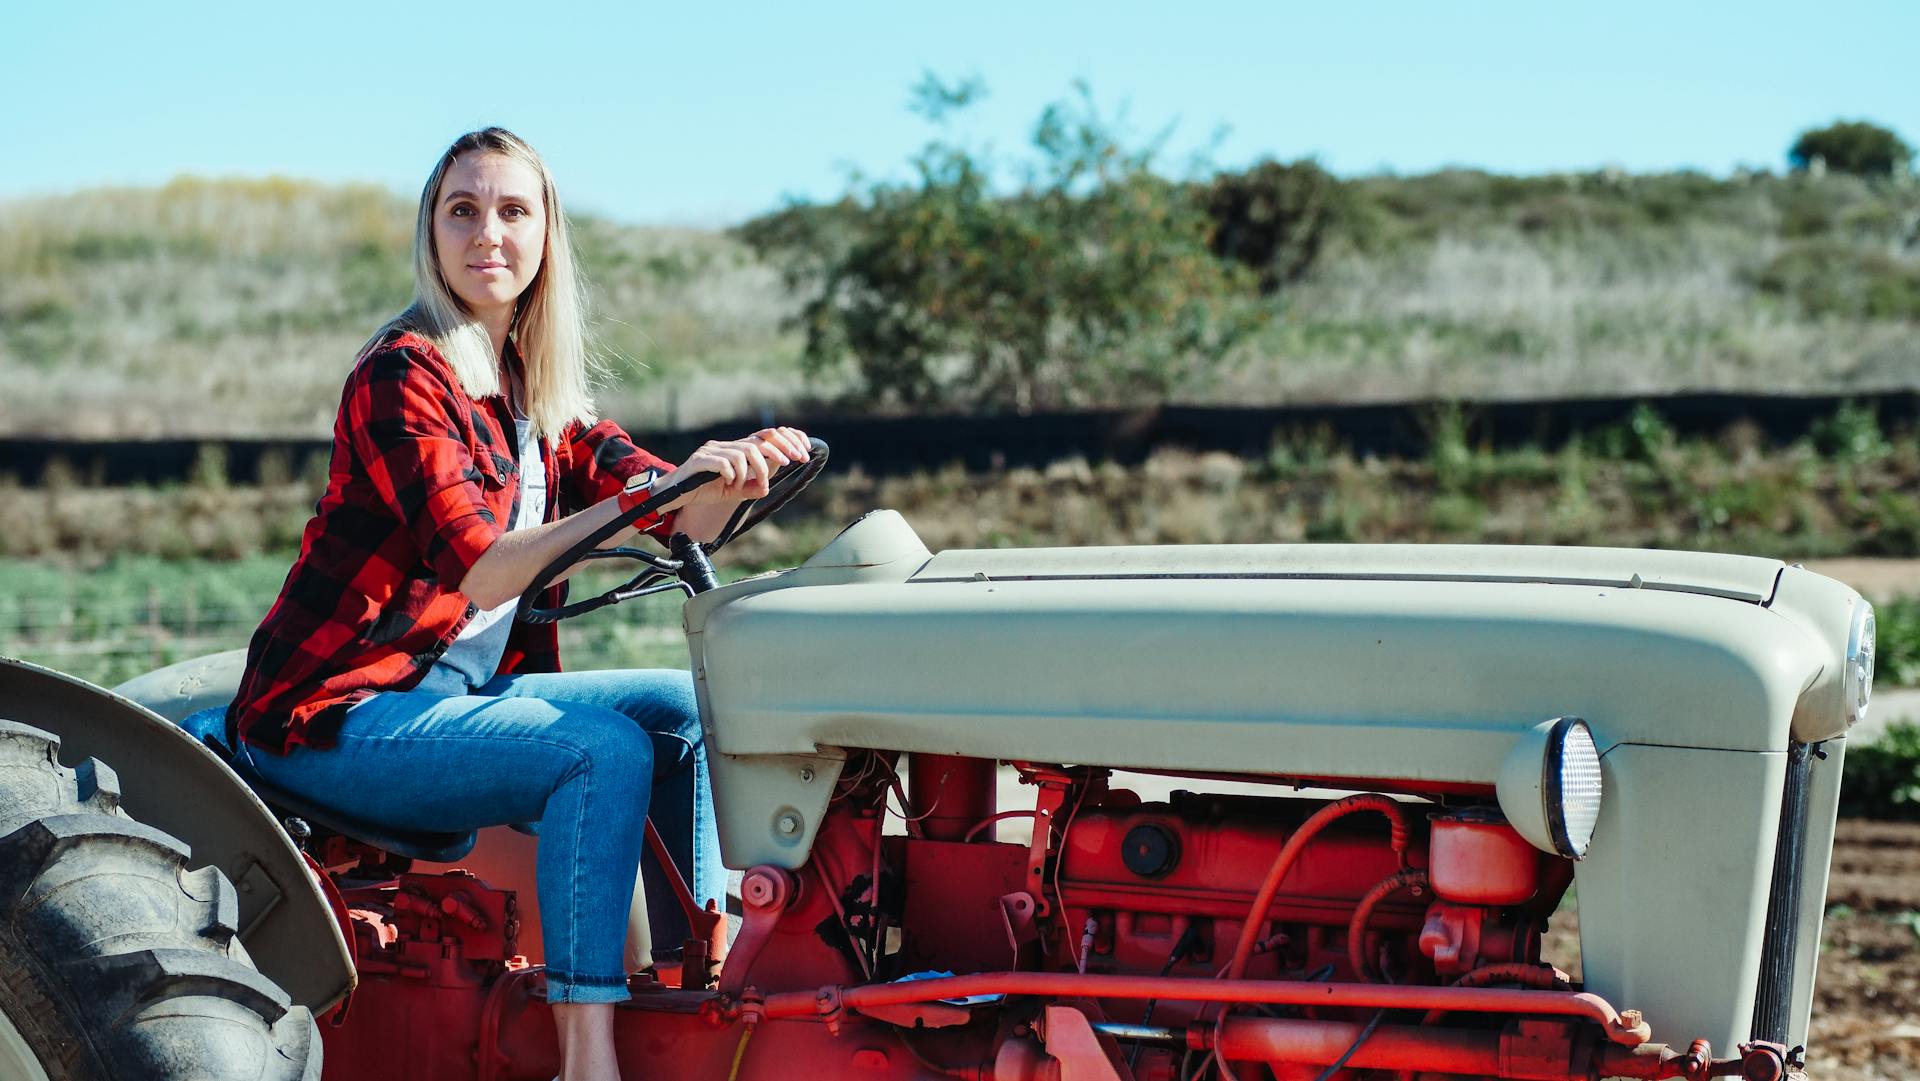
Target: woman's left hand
(782, 446)
(745, 467)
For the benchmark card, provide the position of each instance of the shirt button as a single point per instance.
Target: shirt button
(472, 608)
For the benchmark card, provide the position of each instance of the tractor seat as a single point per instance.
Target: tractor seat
(424, 845)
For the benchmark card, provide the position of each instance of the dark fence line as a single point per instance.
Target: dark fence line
(893, 445)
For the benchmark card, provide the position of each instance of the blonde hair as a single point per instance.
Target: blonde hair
(549, 322)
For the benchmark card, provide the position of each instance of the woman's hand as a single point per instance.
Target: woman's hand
(745, 466)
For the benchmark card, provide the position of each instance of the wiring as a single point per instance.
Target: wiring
(1059, 857)
(1188, 939)
(854, 942)
(739, 1054)
(1220, 1060)
(981, 826)
(848, 784)
(900, 793)
(1341, 1062)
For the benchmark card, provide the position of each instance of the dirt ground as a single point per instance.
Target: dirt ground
(1866, 1009)
(1875, 578)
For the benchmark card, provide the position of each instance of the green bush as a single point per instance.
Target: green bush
(1897, 649)
(1852, 434)
(1855, 146)
(1088, 283)
(1881, 779)
(1273, 218)
(1830, 278)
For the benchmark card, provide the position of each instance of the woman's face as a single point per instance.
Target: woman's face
(489, 231)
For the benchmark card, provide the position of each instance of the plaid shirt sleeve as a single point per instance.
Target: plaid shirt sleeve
(405, 423)
(598, 462)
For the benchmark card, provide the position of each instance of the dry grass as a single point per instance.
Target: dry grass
(1499, 314)
(235, 307)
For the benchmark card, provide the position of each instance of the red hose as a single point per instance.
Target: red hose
(1290, 852)
(1363, 912)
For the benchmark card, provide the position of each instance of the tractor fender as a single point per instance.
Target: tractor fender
(171, 782)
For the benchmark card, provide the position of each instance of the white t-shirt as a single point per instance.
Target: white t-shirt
(474, 657)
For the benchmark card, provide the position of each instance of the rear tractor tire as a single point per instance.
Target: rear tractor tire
(118, 962)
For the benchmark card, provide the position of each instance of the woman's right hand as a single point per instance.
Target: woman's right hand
(744, 467)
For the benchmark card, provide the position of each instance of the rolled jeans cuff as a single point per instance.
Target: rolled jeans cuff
(565, 987)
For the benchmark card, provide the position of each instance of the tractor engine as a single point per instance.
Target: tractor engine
(1166, 888)
(1106, 884)
(1106, 936)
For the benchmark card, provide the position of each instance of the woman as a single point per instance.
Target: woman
(389, 678)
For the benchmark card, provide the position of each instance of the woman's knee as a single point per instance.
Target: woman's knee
(659, 700)
(610, 745)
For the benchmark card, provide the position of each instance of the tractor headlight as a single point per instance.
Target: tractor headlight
(1856, 682)
(1549, 787)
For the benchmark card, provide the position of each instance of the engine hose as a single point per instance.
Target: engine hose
(1363, 913)
(1290, 853)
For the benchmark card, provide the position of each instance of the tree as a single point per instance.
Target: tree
(1088, 280)
(1273, 218)
(1851, 146)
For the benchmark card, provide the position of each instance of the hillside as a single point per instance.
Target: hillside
(233, 307)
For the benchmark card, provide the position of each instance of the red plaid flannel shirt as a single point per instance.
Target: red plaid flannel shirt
(421, 481)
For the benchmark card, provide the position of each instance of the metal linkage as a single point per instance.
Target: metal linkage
(1628, 1031)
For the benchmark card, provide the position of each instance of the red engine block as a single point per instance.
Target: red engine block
(1109, 886)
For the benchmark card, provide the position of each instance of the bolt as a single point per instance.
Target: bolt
(806, 774)
(788, 824)
(759, 888)
(1631, 1018)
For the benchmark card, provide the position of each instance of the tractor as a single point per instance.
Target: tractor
(1302, 812)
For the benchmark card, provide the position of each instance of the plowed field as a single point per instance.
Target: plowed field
(1867, 997)
(1866, 1011)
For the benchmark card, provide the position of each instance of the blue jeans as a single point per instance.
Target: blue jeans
(588, 755)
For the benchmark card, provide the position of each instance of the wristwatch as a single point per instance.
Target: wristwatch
(639, 489)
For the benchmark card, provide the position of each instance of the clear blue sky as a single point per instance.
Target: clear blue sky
(710, 113)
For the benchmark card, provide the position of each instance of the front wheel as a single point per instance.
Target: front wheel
(117, 961)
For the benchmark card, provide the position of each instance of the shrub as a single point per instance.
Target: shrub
(1272, 218)
(1090, 282)
(1897, 651)
(1854, 146)
(1852, 434)
(1828, 278)
(1881, 779)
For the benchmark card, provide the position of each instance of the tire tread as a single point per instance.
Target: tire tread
(108, 991)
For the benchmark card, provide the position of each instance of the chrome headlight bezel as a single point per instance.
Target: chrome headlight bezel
(1572, 760)
(1856, 678)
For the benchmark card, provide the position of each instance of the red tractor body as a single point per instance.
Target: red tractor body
(1102, 947)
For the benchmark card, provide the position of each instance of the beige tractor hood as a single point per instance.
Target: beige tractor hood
(1390, 661)
(1743, 578)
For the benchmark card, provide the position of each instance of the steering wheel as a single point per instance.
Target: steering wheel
(686, 564)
